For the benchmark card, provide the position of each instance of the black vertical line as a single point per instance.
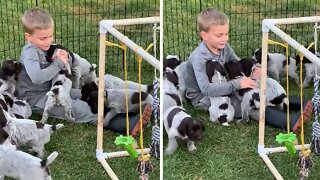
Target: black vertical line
(8, 30)
(55, 22)
(2, 30)
(73, 16)
(61, 20)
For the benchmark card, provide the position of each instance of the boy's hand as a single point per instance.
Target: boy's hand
(256, 74)
(246, 82)
(63, 55)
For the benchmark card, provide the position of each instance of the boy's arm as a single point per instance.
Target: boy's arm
(212, 89)
(31, 61)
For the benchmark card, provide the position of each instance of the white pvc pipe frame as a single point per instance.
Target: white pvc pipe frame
(270, 24)
(107, 26)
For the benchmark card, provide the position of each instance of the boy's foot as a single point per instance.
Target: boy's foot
(307, 112)
(278, 118)
(146, 115)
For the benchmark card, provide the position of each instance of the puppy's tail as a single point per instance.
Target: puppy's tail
(49, 160)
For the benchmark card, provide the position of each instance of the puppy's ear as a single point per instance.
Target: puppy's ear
(3, 136)
(3, 119)
(183, 128)
(8, 100)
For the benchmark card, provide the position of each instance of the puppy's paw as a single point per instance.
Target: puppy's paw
(239, 121)
(225, 124)
(169, 151)
(72, 119)
(192, 148)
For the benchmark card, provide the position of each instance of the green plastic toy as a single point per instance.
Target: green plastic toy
(128, 143)
(288, 140)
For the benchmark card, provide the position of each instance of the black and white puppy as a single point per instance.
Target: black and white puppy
(59, 95)
(20, 165)
(179, 124)
(170, 91)
(113, 82)
(27, 132)
(275, 93)
(310, 68)
(171, 61)
(86, 70)
(9, 75)
(277, 65)
(21, 109)
(221, 110)
(180, 69)
(115, 100)
(73, 70)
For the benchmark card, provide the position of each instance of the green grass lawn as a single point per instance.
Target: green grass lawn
(76, 27)
(231, 152)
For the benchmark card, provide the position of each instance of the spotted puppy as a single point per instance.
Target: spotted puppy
(310, 68)
(9, 72)
(27, 132)
(275, 94)
(179, 68)
(20, 165)
(59, 95)
(221, 110)
(170, 91)
(113, 82)
(21, 109)
(277, 65)
(179, 124)
(171, 61)
(115, 101)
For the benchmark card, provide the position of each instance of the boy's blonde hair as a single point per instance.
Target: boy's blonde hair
(36, 18)
(211, 17)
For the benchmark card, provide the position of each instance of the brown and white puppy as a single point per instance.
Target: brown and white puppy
(179, 124)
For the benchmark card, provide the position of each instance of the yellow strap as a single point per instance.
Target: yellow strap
(310, 45)
(126, 90)
(124, 48)
(144, 157)
(285, 45)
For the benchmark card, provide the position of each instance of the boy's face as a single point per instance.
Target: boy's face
(216, 37)
(42, 38)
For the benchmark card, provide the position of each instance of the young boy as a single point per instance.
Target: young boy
(35, 79)
(214, 29)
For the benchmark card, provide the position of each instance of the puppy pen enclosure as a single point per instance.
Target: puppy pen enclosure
(77, 28)
(181, 35)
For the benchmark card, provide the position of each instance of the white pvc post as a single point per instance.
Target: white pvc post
(134, 21)
(270, 24)
(106, 25)
(284, 149)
